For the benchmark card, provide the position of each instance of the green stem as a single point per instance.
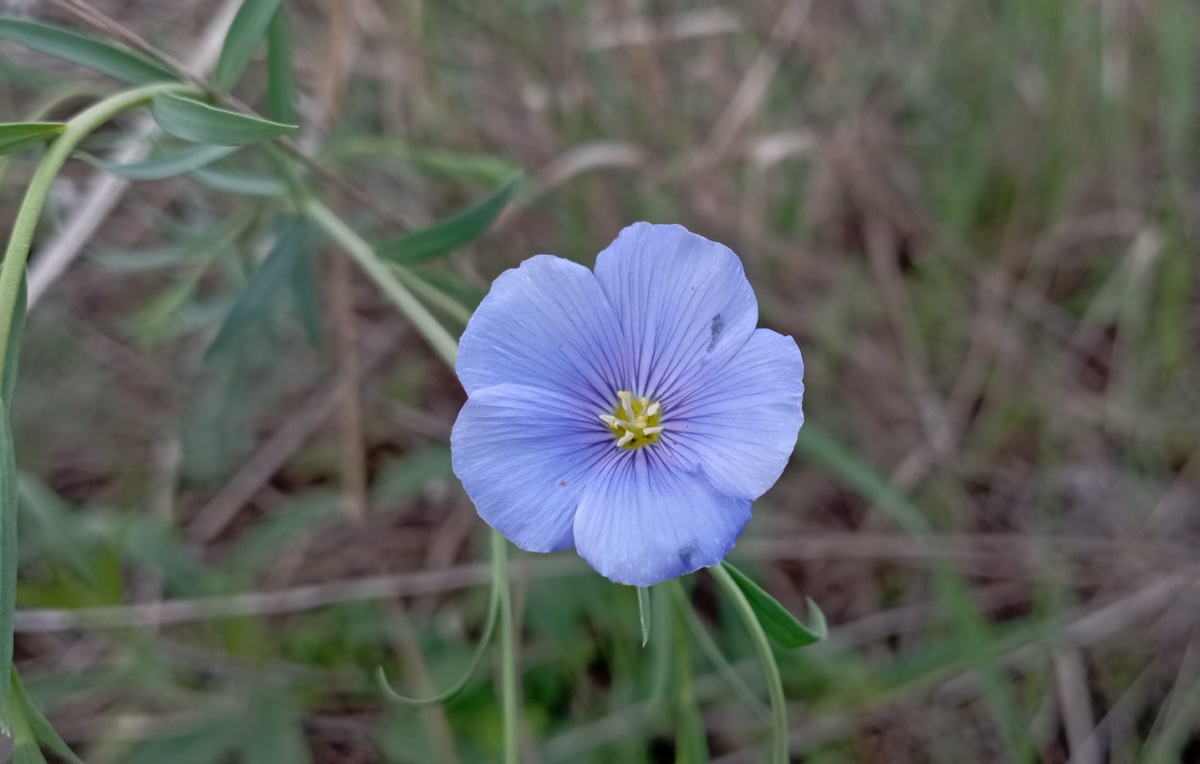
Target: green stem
(80, 126)
(779, 730)
(365, 256)
(691, 746)
(508, 649)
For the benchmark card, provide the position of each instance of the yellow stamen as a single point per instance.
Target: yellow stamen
(635, 422)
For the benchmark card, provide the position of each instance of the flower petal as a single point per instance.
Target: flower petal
(740, 423)
(643, 519)
(545, 324)
(524, 456)
(683, 302)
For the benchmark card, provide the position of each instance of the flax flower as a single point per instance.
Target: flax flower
(633, 412)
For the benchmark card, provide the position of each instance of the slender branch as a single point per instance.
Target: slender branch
(365, 256)
(779, 722)
(508, 649)
(81, 126)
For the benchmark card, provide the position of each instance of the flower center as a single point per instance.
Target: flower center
(635, 422)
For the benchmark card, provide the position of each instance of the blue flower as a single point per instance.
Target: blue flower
(633, 412)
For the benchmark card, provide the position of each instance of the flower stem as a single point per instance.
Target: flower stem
(691, 746)
(779, 731)
(377, 271)
(80, 126)
(508, 649)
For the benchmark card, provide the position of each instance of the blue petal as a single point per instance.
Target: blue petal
(546, 324)
(643, 519)
(524, 455)
(740, 423)
(683, 302)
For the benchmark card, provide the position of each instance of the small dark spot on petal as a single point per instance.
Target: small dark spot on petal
(715, 328)
(685, 554)
(562, 482)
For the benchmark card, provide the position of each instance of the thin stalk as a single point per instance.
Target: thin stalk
(691, 745)
(508, 650)
(355, 246)
(779, 731)
(80, 126)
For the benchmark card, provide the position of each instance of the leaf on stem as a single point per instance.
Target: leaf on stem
(281, 85)
(777, 622)
(103, 57)
(245, 32)
(199, 122)
(15, 136)
(164, 166)
(274, 273)
(456, 231)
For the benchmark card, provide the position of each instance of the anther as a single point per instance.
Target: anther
(626, 403)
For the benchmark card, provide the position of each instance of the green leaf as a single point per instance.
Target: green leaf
(779, 624)
(165, 166)
(484, 168)
(644, 612)
(8, 561)
(15, 136)
(238, 182)
(455, 231)
(34, 724)
(103, 57)
(281, 85)
(276, 269)
(246, 31)
(199, 122)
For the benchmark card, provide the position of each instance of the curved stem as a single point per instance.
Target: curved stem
(508, 649)
(494, 601)
(81, 126)
(365, 256)
(779, 733)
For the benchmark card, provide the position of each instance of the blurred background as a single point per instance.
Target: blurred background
(978, 219)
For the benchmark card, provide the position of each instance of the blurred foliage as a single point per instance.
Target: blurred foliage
(979, 220)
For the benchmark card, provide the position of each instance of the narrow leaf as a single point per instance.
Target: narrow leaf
(103, 57)
(165, 166)
(39, 728)
(455, 231)
(644, 612)
(281, 85)
(198, 122)
(246, 31)
(18, 135)
(27, 752)
(238, 182)
(275, 270)
(779, 624)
